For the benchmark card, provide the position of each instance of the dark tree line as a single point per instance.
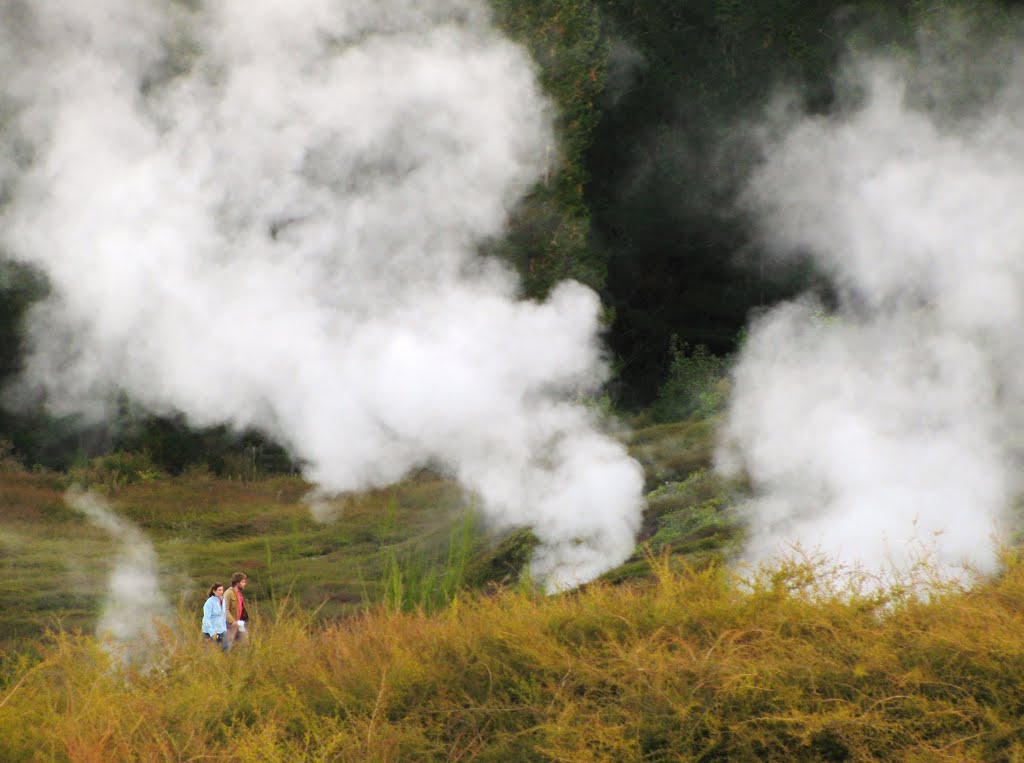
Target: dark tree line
(665, 173)
(655, 163)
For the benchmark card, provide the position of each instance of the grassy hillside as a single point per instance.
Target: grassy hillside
(400, 631)
(55, 563)
(414, 543)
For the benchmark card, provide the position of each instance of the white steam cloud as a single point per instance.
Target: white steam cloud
(888, 425)
(267, 213)
(134, 602)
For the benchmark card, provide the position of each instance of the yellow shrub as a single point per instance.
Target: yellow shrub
(693, 665)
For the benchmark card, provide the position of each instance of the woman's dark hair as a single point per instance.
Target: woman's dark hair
(214, 587)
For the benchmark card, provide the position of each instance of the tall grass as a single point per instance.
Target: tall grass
(790, 665)
(414, 579)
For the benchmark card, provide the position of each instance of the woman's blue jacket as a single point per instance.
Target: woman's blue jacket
(213, 617)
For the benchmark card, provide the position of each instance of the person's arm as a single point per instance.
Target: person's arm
(208, 616)
(230, 606)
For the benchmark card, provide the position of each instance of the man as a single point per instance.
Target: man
(234, 609)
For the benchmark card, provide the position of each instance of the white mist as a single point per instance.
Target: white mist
(268, 214)
(885, 429)
(133, 604)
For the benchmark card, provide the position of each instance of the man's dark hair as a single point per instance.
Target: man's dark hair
(237, 578)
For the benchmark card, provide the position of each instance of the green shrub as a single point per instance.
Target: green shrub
(9, 461)
(695, 387)
(114, 471)
(695, 515)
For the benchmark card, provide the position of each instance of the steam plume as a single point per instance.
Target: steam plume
(267, 214)
(891, 418)
(134, 601)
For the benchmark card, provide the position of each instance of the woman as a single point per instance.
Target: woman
(214, 624)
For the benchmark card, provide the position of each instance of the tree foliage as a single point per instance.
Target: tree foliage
(666, 167)
(548, 239)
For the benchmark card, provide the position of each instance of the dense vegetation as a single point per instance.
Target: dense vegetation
(690, 666)
(403, 630)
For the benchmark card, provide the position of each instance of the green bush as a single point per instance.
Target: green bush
(114, 471)
(695, 515)
(9, 461)
(696, 386)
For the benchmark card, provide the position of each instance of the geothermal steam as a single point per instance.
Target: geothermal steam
(886, 427)
(268, 214)
(133, 602)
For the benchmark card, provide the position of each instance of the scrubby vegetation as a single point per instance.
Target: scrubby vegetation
(403, 630)
(795, 664)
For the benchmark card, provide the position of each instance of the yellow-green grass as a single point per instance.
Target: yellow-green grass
(692, 665)
(54, 564)
(669, 452)
(390, 544)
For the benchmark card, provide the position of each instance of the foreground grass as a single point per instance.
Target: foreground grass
(688, 666)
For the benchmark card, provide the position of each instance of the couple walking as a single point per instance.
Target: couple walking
(224, 613)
